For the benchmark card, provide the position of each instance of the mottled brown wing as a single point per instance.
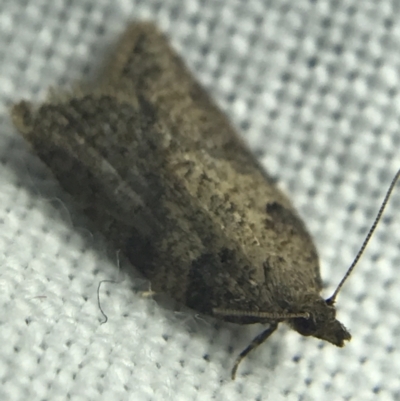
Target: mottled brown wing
(164, 176)
(145, 65)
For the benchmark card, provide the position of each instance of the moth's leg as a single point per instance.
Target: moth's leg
(254, 344)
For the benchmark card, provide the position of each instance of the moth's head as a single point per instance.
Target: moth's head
(321, 323)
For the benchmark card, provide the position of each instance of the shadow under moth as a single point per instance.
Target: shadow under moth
(164, 176)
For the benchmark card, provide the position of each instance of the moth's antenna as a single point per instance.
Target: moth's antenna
(331, 300)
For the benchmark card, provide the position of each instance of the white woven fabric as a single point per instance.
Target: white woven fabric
(314, 88)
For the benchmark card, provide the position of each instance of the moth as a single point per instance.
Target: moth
(163, 175)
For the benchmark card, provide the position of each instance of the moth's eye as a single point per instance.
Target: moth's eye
(306, 327)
